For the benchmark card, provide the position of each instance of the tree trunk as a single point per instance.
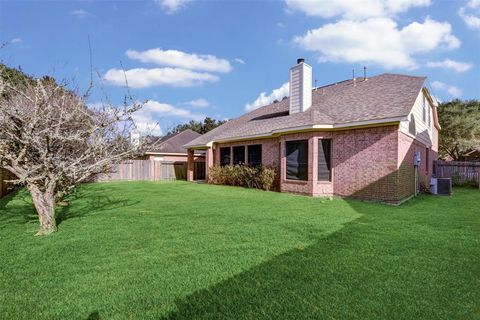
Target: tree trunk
(45, 205)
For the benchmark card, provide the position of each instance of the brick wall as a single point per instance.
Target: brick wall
(365, 163)
(368, 163)
(406, 150)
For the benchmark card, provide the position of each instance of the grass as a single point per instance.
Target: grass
(191, 251)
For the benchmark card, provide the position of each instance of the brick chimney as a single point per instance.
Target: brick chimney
(300, 87)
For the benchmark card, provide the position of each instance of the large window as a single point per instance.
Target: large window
(297, 159)
(239, 155)
(225, 156)
(324, 160)
(254, 155)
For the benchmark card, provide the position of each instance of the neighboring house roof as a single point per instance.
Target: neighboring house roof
(174, 143)
(382, 98)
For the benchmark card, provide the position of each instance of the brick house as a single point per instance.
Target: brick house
(355, 138)
(170, 149)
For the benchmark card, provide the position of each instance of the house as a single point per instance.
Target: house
(355, 138)
(170, 150)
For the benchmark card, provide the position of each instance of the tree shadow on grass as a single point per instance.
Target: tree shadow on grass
(18, 207)
(362, 271)
(86, 201)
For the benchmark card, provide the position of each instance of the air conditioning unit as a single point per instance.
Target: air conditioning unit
(433, 186)
(444, 186)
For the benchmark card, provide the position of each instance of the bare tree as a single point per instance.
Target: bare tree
(51, 140)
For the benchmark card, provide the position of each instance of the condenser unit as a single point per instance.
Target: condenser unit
(433, 186)
(444, 186)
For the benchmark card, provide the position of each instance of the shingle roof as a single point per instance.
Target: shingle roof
(174, 143)
(380, 97)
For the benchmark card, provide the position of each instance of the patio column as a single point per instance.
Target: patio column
(208, 161)
(190, 164)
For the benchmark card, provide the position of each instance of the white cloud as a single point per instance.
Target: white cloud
(159, 109)
(241, 61)
(172, 6)
(175, 58)
(142, 78)
(450, 64)
(451, 90)
(378, 40)
(354, 9)
(16, 40)
(470, 13)
(280, 25)
(147, 118)
(198, 103)
(263, 99)
(80, 13)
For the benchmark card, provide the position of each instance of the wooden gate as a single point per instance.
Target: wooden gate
(173, 171)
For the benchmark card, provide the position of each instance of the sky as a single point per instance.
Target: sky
(192, 58)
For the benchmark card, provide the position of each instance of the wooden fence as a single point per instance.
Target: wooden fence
(461, 172)
(5, 187)
(146, 170)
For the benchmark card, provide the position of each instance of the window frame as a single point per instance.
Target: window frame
(304, 176)
(236, 148)
(222, 164)
(251, 146)
(328, 161)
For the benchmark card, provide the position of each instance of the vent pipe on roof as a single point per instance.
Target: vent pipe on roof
(300, 87)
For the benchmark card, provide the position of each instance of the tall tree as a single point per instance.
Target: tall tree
(460, 122)
(198, 126)
(51, 140)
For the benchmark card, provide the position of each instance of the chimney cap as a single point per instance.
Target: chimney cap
(300, 60)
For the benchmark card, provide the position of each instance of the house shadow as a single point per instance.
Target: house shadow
(348, 274)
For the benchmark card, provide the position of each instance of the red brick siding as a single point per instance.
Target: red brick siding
(365, 163)
(368, 163)
(406, 150)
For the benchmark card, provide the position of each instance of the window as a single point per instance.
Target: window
(225, 156)
(424, 110)
(297, 159)
(254, 155)
(324, 160)
(239, 155)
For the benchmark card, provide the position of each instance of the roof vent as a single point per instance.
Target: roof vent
(300, 87)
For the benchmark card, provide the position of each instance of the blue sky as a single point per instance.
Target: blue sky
(193, 58)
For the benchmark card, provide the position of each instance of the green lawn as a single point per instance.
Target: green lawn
(191, 251)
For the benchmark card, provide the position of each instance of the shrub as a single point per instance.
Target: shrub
(261, 177)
